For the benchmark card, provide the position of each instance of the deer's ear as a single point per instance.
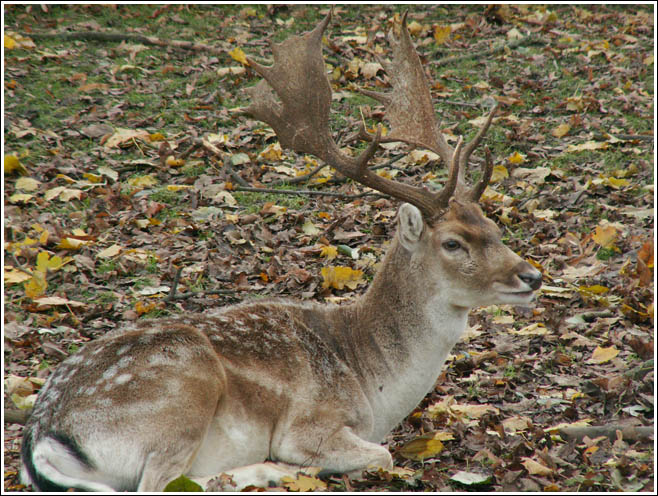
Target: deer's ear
(410, 226)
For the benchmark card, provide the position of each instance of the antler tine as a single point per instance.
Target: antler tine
(473, 144)
(475, 193)
(453, 177)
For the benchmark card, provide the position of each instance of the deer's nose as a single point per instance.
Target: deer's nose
(532, 279)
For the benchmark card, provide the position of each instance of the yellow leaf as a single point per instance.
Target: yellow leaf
(238, 55)
(516, 158)
(156, 137)
(14, 276)
(110, 251)
(499, 173)
(422, 447)
(414, 28)
(339, 277)
(303, 483)
(11, 164)
(648, 60)
(27, 184)
(36, 286)
(588, 146)
(329, 251)
(45, 262)
(71, 244)
(178, 187)
(617, 183)
(175, 162)
(441, 34)
(602, 355)
(20, 198)
(143, 181)
(9, 43)
(561, 130)
(605, 235)
(535, 468)
(596, 289)
(92, 178)
(272, 153)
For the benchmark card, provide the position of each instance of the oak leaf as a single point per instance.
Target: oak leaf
(338, 277)
(303, 483)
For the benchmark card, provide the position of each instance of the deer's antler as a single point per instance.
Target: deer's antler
(301, 118)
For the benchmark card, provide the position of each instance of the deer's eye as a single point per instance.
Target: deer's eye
(451, 245)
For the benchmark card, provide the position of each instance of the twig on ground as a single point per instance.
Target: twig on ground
(308, 192)
(629, 433)
(174, 285)
(146, 40)
(528, 40)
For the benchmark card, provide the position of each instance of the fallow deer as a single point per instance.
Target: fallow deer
(259, 389)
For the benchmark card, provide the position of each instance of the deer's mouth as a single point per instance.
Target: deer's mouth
(518, 295)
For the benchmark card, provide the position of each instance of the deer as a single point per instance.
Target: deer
(267, 388)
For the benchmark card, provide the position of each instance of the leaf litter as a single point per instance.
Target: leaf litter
(104, 205)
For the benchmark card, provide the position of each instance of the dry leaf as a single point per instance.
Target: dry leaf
(602, 355)
(14, 276)
(36, 286)
(535, 468)
(441, 34)
(329, 251)
(303, 483)
(57, 301)
(588, 145)
(561, 130)
(27, 184)
(516, 158)
(423, 447)
(499, 173)
(238, 55)
(339, 277)
(605, 235)
(110, 251)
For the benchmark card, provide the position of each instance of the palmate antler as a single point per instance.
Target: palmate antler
(301, 121)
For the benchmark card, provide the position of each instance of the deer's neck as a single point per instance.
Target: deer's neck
(401, 330)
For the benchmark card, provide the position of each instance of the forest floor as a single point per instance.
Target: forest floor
(108, 220)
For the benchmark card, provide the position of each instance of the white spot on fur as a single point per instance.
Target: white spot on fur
(123, 378)
(111, 372)
(123, 349)
(90, 390)
(124, 361)
(75, 359)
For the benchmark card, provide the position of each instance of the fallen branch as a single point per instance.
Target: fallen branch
(528, 40)
(307, 192)
(118, 37)
(629, 433)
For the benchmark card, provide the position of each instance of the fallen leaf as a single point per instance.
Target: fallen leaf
(338, 277)
(12, 275)
(605, 235)
(36, 286)
(441, 34)
(602, 355)
(303, 483)
(516, 158)
(238, 55)
(535, 468)
(471, 478)
(499, 173)
(588, 146)
(27, 184)
(421, 448)
(110, 251)
(561, 130)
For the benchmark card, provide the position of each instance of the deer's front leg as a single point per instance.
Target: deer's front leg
(342, 451)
